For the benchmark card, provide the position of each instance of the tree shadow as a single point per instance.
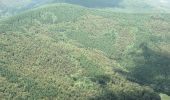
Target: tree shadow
(106, 95)
(135, 95)
(121, 92)
(101, 79)
(96, 3)
(153, 69)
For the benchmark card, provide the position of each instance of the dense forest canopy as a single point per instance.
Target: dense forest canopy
(84, 50)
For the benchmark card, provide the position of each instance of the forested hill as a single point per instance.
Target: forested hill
(68, 52)
(12, 7)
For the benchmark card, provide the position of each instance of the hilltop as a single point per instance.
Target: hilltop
(64, 51)
(13, 7)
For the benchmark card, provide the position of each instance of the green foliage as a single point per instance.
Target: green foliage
(62, 51)
(164, 97)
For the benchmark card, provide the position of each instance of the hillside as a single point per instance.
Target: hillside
(63, 51)
(12, 7)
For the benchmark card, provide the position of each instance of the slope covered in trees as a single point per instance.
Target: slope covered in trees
(12, 7)
(63, 51)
